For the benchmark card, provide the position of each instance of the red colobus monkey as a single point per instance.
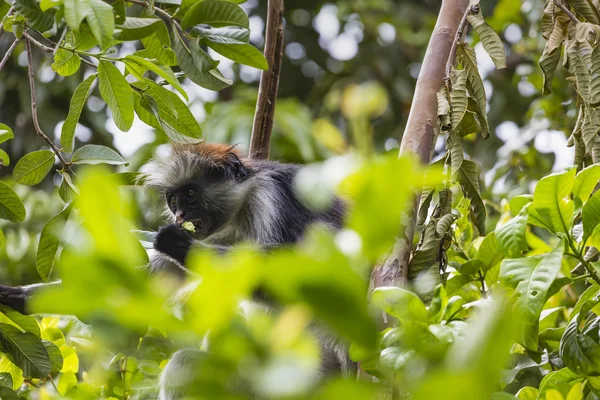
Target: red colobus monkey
(228, 199)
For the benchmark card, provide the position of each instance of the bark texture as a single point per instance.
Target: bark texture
(269, 83)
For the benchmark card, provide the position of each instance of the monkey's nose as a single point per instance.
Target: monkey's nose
(179, 216)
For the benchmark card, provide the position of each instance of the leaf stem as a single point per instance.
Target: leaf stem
(459, 34)
(34, 116)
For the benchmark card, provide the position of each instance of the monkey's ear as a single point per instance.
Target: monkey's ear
(235, 168)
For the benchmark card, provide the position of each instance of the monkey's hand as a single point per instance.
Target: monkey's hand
(173, 241)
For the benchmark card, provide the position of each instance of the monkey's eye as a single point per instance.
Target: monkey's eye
(172, 202)
(191, 194)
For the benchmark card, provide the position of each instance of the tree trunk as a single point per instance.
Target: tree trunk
(269, 82)
(421, 131)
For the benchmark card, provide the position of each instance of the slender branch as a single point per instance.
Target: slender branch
(9, 13)
(457, 38)
(269, 82)
(157, 10)
(566, 10)
(52, 49)
(590, 269)
(34, 117)
(9, 52)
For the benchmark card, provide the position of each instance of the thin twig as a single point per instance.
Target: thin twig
(52, 49)
(62, 37)
(567, 11)
(34, 117)
(158, 10)
(8, 14)
(9, 52)
(457, 37)
(269, 82)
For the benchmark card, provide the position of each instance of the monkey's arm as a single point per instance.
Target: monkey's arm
(17, 297)
(176, 243)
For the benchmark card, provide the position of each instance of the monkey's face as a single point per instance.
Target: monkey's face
(208, 200)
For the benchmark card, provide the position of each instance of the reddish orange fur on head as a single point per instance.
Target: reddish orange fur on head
(214, 151)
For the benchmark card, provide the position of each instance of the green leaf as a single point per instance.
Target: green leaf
(580, 352)
(137, 28)
(242, 53)
(117, 93)
(25, 323)
(83, 39)
(552, 203)
(5, 133)
(76, 11)
(224, 35)
(130, 178)
(489, 38)
(168, 112)
(66, 62)
(586, 9)
(66, 382)
(590, 216)
(532, 290)
(32, 168)
(67, 136)
(26, 351)
(6, 379)
(101, 21)
(55, 355)
(4, 159)
(455, 151)
(490, 253)
(585, 182)
(49, 242)
(6, 393)
(399, 303)
(458, 97)
(595, 77)
(35, 17)
(96, 154)
(67, 190)
(199, 67)
(511, 235)
(468, 178)
(528, 393)
(163, 73)
(578, 67)
(475, 86)
(156, 49)
(11, 206)
(215, 13)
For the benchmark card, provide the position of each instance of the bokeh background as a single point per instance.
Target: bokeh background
(347, 79)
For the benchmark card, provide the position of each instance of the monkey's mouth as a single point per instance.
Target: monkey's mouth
(193, 226)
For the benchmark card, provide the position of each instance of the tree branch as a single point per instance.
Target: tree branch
(269, 82)
(34, 117)
(9, 52)
(421, 130)
(457, 38)
(566, 10)
(52, 49)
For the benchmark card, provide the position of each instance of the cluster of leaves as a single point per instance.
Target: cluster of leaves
(462, 111)
(575, 35)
